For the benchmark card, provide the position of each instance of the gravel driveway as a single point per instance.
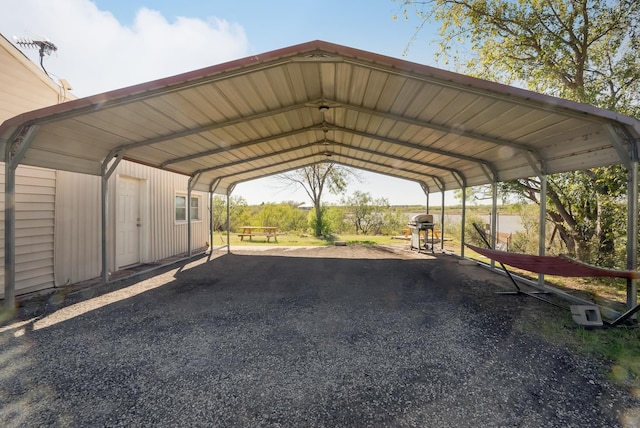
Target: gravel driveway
(330, 336)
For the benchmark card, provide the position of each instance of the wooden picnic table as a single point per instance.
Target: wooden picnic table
(265, 231)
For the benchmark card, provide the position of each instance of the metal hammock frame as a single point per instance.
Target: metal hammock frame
(552, 265)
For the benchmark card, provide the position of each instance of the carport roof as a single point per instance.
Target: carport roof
(318, 102)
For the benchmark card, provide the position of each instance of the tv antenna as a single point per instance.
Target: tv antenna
(45, 46)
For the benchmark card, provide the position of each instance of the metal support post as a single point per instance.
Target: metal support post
(228, 223)
(494, 218)
(632, 234)
(104, 207)
(193, 180)
(189, 243)
(106, 172)
(9, 237)
(463, 220)
(441, 222)
(542, 230)
(211, 232)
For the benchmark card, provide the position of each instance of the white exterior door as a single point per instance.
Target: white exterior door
(128, 222)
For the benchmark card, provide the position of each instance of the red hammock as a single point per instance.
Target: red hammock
(552, 265)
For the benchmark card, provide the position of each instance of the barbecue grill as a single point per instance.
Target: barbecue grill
(420, 225)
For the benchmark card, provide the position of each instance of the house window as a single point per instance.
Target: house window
(195, 208)
(181, 208)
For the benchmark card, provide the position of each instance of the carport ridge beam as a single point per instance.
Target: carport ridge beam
(459, 177)
(421, 183)
(487, 167)
(436, 179)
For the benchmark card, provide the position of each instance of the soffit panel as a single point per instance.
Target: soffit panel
(419, 95)
(134, 123)
(188, 109)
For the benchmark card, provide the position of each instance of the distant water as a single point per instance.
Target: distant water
(505, 223)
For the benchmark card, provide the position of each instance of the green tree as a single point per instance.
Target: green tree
(284, 216)
(477, 193)
(394, 221)
(367, 213)
(238, 210)
(335, 217)
(315, 179)
(583, 50)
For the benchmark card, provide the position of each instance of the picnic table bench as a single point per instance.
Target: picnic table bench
(265, 231)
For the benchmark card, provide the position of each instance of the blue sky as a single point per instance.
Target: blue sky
(269, 25)
(109, 44)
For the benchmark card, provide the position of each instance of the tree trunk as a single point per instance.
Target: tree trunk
(565, 235)
(319, 220)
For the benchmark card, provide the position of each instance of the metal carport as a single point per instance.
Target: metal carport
(292, 107)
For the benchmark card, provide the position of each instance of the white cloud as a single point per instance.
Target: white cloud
(96, 53)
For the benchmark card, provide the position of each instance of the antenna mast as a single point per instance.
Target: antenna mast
(45, 47)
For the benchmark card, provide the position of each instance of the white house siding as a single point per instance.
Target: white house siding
(77, 229)
(58, 213)
(165, 236)
(35, 213)
(77, 234)
(25, 87)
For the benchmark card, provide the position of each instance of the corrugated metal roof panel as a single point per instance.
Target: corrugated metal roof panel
(261, 115)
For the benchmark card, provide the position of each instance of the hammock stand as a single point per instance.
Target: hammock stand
(552, 265)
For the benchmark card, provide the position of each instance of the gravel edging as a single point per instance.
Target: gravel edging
(325, 336)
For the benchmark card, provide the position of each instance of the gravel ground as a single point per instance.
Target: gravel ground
(329, 336)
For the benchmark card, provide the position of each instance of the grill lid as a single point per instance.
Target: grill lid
(421, 218)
